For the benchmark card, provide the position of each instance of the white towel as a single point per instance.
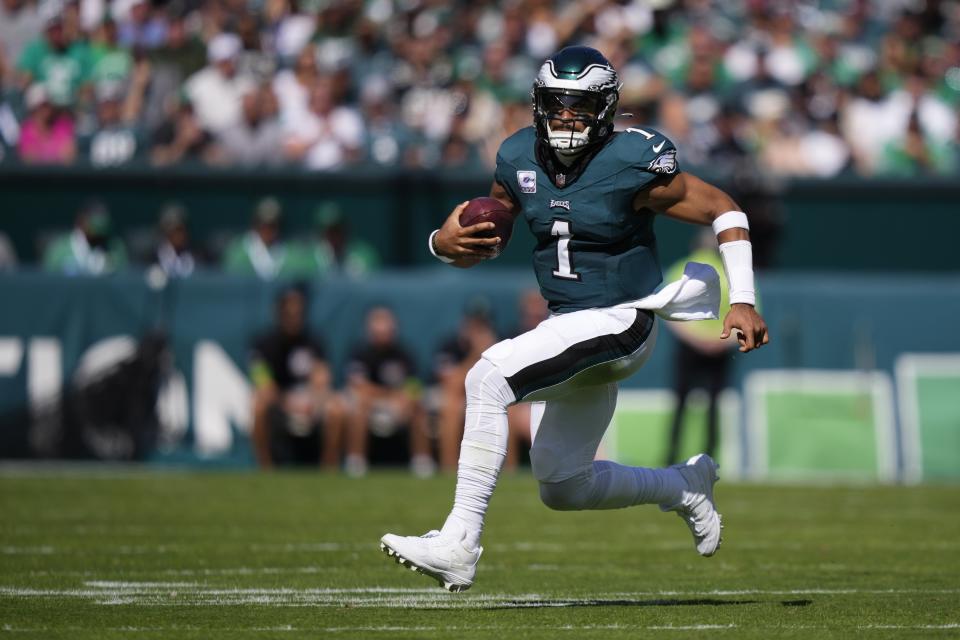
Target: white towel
(695, 296)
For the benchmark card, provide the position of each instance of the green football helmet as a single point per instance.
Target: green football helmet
(576, 84)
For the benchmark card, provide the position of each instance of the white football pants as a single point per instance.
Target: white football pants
(568, 366)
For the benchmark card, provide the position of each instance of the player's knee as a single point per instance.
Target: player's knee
(567, 495)
(486, 385)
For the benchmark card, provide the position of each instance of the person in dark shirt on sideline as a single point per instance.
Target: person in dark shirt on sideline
(386, 395)
(297, 416)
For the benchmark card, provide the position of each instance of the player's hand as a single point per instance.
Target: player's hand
(456, 242)
(751, 329)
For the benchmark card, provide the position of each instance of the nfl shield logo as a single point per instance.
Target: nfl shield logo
(527, 181)
(561, 179)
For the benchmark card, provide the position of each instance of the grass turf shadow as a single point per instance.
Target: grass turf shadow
(609, 602)
(659, 602)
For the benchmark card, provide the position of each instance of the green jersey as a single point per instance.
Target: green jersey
(593, 249)
(62, 73)
(316, 258)
(71, 254)
(109, 64)
(247, 255)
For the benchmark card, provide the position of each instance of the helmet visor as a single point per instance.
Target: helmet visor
(568, 104)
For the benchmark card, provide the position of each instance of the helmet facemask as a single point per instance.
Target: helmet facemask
(570, 116)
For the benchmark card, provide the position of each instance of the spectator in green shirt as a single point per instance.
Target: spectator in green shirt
(109, 62)
(89, 248)
(331, 250)
(60, 65)
(261, 251)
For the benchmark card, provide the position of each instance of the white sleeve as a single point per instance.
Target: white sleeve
(737, 257)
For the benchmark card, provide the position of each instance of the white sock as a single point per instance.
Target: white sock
(608, 485)
(616, 485)
(482, 451)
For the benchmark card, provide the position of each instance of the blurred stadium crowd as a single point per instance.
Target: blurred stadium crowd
(92, 247)
(802, 88)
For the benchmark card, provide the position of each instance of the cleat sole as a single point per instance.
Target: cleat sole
(449, 586)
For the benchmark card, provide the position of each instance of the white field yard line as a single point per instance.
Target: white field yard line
(565, 627)
(318, 547)
(590, 627)
(315, 547)
(310, 546)
(233, 571)
(401, 628)
(291, 547)
(952, 625)
(193, 594)
(422, 628)
(315, 569)
(42, 550)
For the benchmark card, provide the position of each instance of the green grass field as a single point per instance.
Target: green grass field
(148, 555)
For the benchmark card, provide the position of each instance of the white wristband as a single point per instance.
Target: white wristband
(436, 255)
(730, 220)
(737, 257)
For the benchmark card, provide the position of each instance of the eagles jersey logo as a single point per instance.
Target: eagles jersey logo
(666, 162)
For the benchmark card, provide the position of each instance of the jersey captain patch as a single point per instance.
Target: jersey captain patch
(666, 162)
(527, 181)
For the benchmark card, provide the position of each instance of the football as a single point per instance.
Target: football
(489, 210)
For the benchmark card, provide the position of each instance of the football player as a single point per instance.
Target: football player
(589, 195)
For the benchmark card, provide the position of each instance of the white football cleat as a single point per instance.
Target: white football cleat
(441, 556)
(696, 507)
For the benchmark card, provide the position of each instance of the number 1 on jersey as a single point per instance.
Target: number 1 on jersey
(564, 270)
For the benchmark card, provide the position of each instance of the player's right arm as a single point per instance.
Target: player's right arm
(460, 244)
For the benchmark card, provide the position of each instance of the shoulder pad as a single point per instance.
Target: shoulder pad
(518, 148)
(647, 149)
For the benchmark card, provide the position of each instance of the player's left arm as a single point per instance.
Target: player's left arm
(686, 197)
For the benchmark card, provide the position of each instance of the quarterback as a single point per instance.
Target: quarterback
(589, 195)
